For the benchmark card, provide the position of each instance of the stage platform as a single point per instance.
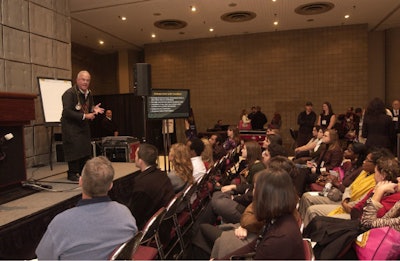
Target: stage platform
(23, 221)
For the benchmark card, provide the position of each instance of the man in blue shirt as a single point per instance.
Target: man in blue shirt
(96, 226)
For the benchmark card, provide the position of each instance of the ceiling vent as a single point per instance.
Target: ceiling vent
(314, 8)
(170, 24)
(238, 16)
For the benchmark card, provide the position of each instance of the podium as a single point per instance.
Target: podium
(16, 110)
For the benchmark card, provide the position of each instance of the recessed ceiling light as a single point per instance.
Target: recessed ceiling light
(346, 16)
(101, 42)
(273, 0)
(276, 23)
(211, 29)
(193, 8)
(153, 35)
(123, 18)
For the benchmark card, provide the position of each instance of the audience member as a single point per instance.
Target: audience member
(396, 117)
(216, 143)
(218, 125)
(276, 121)
(244, 122)
(230, 237)
(196, 148)
(96, 226)
(327, 118)
(258, 119)
(275, 202)
(377, 126)
(379, 208)
(233, 139)
(109, 126)
(312, 146)
(354, 193)
(306, 121)
(231, 201)
(356, 153)
(151, 188)
(181, 174)
(372, 215)
(330, 158)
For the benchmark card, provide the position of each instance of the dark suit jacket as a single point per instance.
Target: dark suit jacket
(151, 190)
(379, 131)
(75, 131)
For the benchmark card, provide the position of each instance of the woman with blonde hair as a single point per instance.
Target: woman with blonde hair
(182, 169)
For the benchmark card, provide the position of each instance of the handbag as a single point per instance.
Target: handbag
(381, 243)
(335, 194)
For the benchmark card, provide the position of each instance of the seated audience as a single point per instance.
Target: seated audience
(275, 202)
(151, 187)
(216, 143)
(231, 201)
(330, 158)
(196, 147)
(354, 193)
(356, 152)
(229, 237)
(312, 146)
(233, 139)
(181, 173)
(380, 208)
(95, 227)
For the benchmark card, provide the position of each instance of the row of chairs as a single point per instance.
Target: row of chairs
(182, 211)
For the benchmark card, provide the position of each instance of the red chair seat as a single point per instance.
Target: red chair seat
(145, 253)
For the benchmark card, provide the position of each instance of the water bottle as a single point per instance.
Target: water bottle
(326, 189)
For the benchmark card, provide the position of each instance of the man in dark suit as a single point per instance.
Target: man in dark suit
(78, 110)
(108, 125)
(152, 189)
(396, 117)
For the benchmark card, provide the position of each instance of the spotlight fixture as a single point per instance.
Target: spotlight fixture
(211, 29)
(101, 42)
(276, 23)
(347, 16)
(193, 8)
(153, 35)
(123, 18)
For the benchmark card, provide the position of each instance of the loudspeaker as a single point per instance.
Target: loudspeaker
(142, 75)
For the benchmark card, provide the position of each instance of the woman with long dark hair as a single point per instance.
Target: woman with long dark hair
(377, 126)
(275, 201)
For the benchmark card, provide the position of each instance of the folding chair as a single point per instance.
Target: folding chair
(126, 250)
(150, 245)
(175, 235)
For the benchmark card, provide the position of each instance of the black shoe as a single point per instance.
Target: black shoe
(73, 177)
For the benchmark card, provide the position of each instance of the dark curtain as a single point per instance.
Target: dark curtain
(129, 116)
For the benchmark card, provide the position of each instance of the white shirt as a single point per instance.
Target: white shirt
(199, 169)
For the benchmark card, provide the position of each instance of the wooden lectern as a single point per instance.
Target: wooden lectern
(16, 110)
